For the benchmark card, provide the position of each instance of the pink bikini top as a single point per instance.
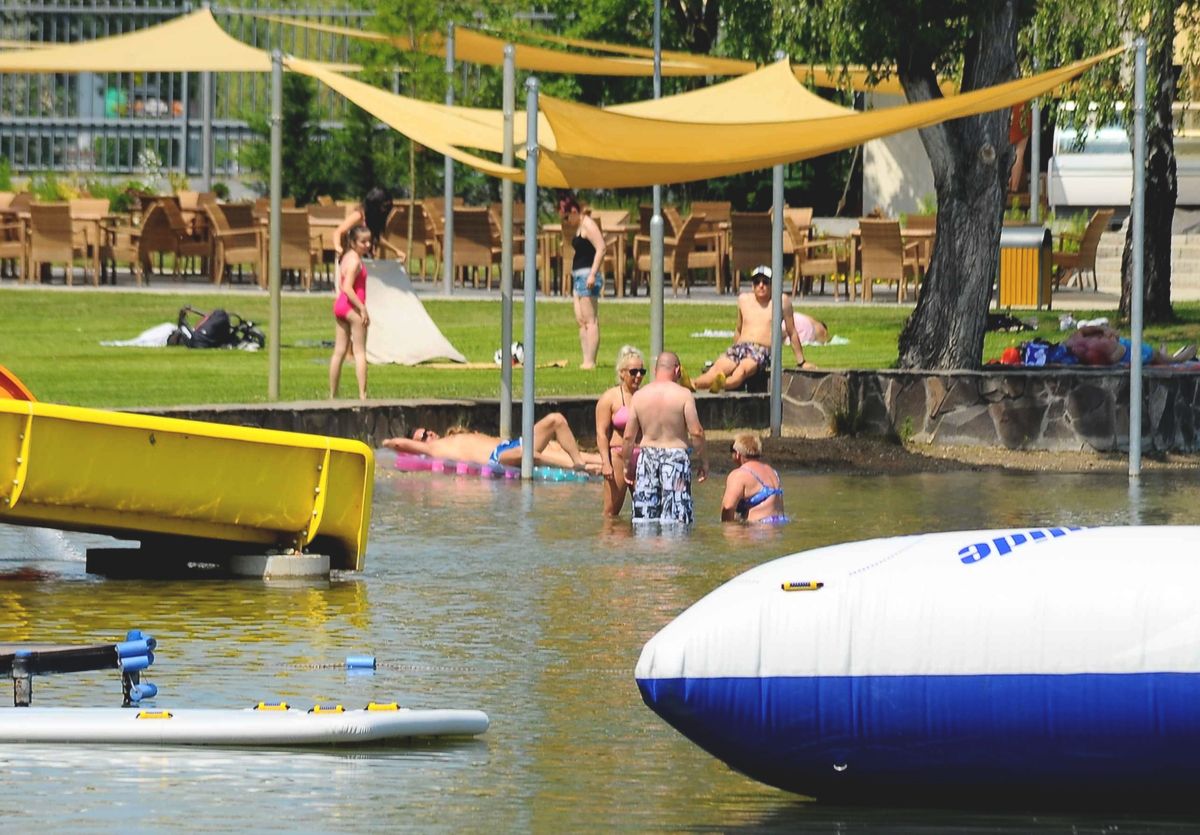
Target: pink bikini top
(620, 418)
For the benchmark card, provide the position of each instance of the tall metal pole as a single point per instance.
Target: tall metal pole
(777, 301)
(183, 126)
(274, 248)
(531, 236)
(506, 247)
(206, 120)
(448, 213)
(1035, 152)
(1136, 292)
(656, 220)
(206, 131)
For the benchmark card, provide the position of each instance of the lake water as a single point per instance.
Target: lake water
(518, 600)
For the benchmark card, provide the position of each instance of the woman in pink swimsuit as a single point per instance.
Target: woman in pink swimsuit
(350, 313)
(611, 415)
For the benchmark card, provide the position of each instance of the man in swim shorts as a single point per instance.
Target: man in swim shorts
(554, 445)
(663, 415)
(751, 349)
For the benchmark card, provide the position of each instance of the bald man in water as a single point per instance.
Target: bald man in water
(662, 421)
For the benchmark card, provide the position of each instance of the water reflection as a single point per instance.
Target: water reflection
(520, 600)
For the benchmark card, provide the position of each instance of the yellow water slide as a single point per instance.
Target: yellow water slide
(165, 480)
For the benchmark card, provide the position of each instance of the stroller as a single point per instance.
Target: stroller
(216, 329)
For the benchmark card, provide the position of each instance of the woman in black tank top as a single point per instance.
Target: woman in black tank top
(587, 282)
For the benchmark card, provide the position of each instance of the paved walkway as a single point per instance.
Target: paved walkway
(195, 285)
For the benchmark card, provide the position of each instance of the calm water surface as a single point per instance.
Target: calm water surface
(520, 601)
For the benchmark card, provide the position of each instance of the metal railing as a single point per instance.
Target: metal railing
(128, 123)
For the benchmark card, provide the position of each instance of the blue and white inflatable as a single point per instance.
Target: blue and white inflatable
(1011, 664)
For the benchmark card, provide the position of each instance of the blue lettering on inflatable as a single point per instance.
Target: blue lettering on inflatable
(1005, 544)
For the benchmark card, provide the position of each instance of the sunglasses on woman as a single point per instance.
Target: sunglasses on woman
(636, 372)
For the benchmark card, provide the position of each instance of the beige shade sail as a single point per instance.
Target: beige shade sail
(446, 130)
(588, 147)
(646, 151)
(191, 43)
(771, 94)
(476, 47)
(720, 66)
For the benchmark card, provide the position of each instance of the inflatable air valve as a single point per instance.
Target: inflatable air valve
(136, 663)
(360, 662)
(133, 635)
(145, 690)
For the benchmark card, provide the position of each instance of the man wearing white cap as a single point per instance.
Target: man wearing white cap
(751, 349)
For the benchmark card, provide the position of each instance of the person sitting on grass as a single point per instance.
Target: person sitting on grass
(1102, 345)
(751, 350)
(554, 445)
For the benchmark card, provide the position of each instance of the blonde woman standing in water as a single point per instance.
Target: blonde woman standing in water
(611, 415)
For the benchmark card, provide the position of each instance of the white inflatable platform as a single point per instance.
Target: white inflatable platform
(267, 725)
(1053, 664)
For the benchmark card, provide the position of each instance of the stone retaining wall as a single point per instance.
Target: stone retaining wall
(1056, 410)
(391, 418)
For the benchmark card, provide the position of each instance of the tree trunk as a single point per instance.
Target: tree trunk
(1161, 185)
(970, 158)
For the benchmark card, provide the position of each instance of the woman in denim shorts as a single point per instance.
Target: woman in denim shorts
(586, 279)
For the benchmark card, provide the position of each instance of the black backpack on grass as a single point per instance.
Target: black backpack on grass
(216, 329)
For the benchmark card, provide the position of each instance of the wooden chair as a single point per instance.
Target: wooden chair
(52, 239)
(925, 223)
(12, 247)
(614, 245)
(714, 234)
(675, 253)
(396, 233)
(473, 248)
(129, 244)
(495, 222)
(1075, 265)
(823, 257)
(188, 245)
(885, 256)
(295, 246)
(234, 244)
(86, 215)
(750, 243)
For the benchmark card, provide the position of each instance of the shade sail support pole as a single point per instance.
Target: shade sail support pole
(275, 238)
(1138, 229)
(506, 246)
(656, 220)
(448, 191)
(206, 122)
(1035, 150)
(531, 235)
(776, 300)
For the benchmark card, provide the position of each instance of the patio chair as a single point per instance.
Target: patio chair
(86, 215)
(750, 243)
(823, 257)
(1074, 266)
(125, 243)
(234, 244)
(12, 247)
(473, 248)
(188, 244)
(52, 239)
(675, 253)
(885, 257)
(295, 248)
(612, 223)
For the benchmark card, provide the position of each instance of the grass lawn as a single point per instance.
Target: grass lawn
(51, 340)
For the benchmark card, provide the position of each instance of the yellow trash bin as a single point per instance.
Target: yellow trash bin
(1025, 269)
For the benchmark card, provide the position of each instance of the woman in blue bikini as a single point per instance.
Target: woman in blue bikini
(753, 491)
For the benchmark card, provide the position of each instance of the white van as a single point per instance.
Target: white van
(1100, 175)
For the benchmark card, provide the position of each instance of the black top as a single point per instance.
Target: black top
(585, 253)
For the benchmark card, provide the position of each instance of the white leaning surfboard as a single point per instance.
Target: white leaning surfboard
(270, 726)
(1049, 662)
